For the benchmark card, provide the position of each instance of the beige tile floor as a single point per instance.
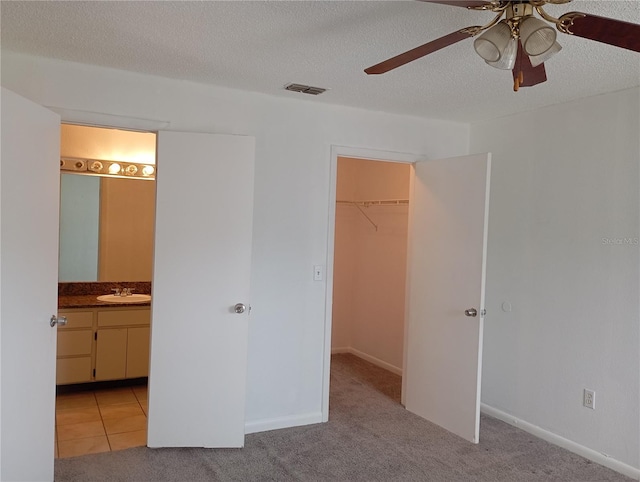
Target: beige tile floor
(101, 421)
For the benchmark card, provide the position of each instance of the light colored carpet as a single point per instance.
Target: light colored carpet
(369, 437)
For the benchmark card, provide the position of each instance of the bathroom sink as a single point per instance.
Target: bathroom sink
(125, 299)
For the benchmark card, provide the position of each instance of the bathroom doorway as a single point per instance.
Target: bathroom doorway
(218, 366)
(107, 231)
(369, 273)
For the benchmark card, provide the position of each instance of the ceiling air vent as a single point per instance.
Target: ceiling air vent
(305, 89)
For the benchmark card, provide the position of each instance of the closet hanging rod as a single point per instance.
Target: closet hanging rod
(376, 202)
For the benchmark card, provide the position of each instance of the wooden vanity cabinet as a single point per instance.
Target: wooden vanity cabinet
(103, 344)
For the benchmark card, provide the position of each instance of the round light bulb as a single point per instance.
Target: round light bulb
(114, 168)
(148, 170)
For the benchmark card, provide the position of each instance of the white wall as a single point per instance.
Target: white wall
(564, 194)
(291, 203)
(127, 229)
(370, 266)
(109, 144)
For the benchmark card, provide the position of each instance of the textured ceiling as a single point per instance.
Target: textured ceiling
(261, 46)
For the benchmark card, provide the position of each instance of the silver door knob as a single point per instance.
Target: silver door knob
(471, 312)
(239, 308)
(57, 320)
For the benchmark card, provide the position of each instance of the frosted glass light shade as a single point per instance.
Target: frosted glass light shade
(539, 59)
(491, 44)
(536, 35)
(508, 58)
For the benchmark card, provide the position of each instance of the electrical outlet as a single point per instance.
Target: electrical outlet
(589, 399)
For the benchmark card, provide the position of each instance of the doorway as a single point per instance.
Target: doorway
(369, 272)
(446, 270)
(107, 217)
(218, 343)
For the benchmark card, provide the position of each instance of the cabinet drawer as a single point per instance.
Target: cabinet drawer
(73, 370)
(76, 342)
(77, 319)
(124, 317)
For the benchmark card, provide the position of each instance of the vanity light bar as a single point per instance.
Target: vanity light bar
(101, 167)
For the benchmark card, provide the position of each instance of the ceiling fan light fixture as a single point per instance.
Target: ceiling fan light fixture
(542, 58)
(491, 44)
(508, 58)
(537, 36)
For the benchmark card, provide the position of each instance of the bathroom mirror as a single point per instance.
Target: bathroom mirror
(106, 223)
(106, 228)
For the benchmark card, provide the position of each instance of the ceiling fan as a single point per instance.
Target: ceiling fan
(521, 42)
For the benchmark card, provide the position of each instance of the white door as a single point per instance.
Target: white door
(30, 186)
(446, 276)
(204, 212)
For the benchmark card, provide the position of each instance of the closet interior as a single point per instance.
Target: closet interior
(370, 255)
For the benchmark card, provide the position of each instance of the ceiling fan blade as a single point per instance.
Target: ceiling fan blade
(525, 74)
(460, 3)
(533, 75)
(418, 52)
(621, 34)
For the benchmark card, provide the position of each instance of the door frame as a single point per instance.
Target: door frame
(369, 155)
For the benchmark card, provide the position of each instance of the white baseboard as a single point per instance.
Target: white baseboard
(369, 358)
(571, 446)
(345, 349)
(282, 422)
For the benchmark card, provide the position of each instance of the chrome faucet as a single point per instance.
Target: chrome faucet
(121, 291)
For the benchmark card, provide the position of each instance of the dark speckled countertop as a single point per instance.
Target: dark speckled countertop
(85, 295)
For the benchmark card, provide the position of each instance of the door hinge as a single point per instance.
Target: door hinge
(94, 373)
(95, 335)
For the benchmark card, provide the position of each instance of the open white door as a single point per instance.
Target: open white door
(30, 187)
(204, 215)
(446, 276)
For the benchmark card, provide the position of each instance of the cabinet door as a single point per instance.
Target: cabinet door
(73, 370)
(138, 352)
(111, 354)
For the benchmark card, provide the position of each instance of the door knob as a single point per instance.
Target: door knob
(471, 312)
(57, 320)
(239, 308)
